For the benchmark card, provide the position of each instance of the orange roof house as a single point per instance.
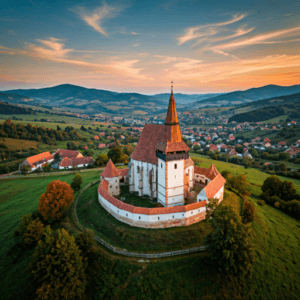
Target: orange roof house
(38, 159)
(96, 137)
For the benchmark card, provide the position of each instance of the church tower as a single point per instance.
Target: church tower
(171, 153)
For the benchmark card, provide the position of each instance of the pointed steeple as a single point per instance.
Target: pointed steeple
(171, 118)
(172, 141)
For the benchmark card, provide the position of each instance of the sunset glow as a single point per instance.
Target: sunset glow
(140, 46)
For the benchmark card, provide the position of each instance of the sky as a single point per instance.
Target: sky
(141, 46)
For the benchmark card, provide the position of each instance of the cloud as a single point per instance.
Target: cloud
(258, 39)
(134, 33)
(225, 53)
(192, 33)
(96, 18)
(54, 50)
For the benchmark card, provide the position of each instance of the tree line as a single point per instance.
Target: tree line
(36, 133)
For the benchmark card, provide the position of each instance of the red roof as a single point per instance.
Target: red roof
(103, 191)
(123, 172)
(68, 153)
(66, 162)
(33, 160)
(210, 173)
(267, 139)
(214, 186)
(145, 149)
(96, 137)
(213, 147)
(86, 147)
(101, 145)
(188, 162)
(110, 170)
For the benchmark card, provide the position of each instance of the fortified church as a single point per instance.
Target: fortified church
(161, 168)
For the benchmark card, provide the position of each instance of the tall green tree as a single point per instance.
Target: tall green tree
(102, 160)
(57, 267)
(116, 155)
(229, 244)
(76, 182)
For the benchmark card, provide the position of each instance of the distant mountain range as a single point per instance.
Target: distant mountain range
(80, 99)
(242, 97)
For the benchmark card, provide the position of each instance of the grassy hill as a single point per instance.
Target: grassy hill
(276, 239)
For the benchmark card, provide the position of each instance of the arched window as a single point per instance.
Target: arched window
(138, 169)
(161, 164)
(175, 166)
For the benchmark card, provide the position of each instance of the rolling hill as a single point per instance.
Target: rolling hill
(244, 97)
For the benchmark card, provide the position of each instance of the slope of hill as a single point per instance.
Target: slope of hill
(91, 100)
(242, 97)
(270, 112)
(7, 109)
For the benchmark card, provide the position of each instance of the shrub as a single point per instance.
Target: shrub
(277, 204)
(274, 199)
(33, 232)
(248, 212)
(261, 202)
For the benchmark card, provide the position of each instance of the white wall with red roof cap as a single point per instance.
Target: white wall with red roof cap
(134, 216)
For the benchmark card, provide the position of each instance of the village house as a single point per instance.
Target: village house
(68, 153)
(80, 162)
(38, 160)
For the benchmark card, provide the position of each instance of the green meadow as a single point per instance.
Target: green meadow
(276, 238)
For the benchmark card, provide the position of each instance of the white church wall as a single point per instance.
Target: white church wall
(175, 176)
(153, 221)
(175, 191)
(161, 172)
(176, 200)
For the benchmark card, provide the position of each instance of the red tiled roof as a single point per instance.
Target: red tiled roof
(103, 191)
(172, 146)
(150, 137)
(66, 162)
(68, 153)
(213, 147)
(282, 143)
(123, 172)
(96, 137)
(210, 173)
(188, 162)
(45, 156)
(110, 170)
(214, 186)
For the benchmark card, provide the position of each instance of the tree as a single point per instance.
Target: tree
(239, 149)
(102, 160)
(229, 244)
(56, 156)
(57, 267)
(46, 168)
(272, 186)
(128, 149)
(211, 205)
(58, 197)
(284, 156)
(33, 232)
(25, 169)
(116, 155)
(76, 183)
(248, 212)
(196, 147)
(282, 167)
(265, 155)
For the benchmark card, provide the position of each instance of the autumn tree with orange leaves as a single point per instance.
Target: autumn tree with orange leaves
(58, 197)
